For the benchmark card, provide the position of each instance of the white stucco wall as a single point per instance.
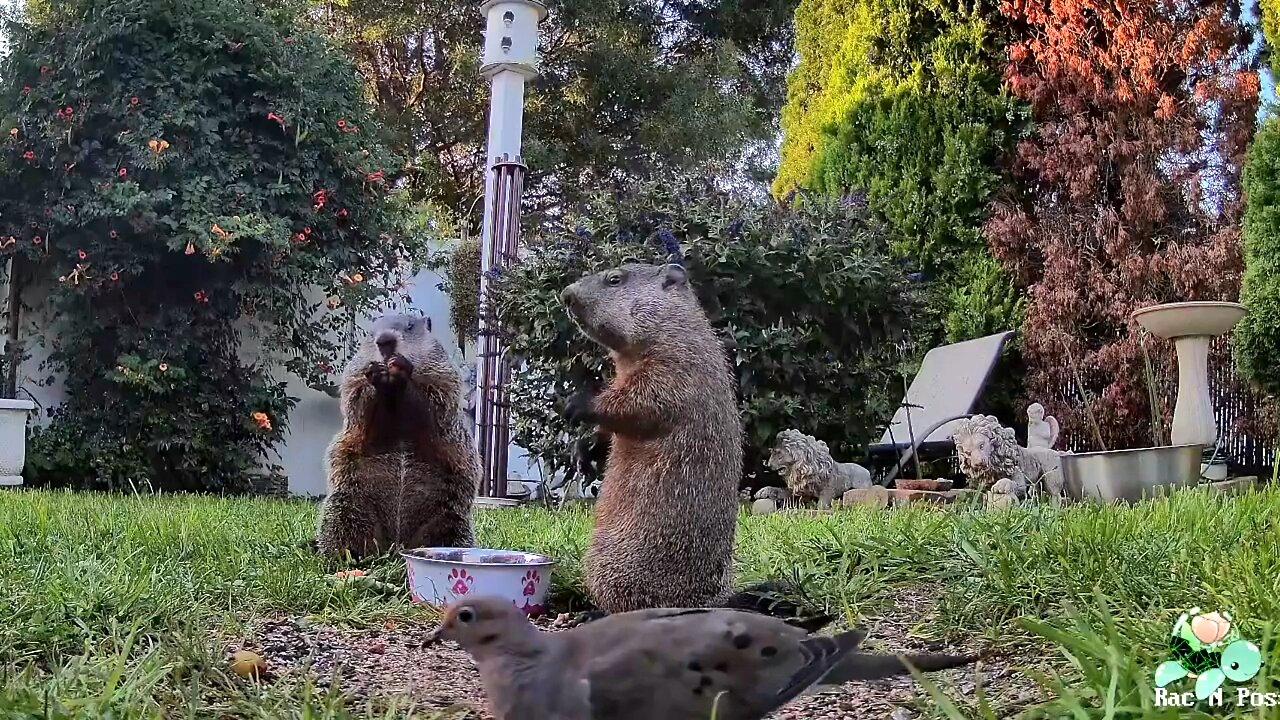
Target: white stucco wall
(315, 419)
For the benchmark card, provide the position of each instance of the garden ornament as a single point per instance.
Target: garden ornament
(1042, 432)
(675, 664)
(770, 499)
(992, 460)
(806, 465)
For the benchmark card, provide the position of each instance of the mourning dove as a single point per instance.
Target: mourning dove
(673, 664)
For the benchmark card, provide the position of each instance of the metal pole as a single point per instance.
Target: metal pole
(510, 58)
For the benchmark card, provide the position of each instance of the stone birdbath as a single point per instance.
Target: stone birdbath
(1191, 326)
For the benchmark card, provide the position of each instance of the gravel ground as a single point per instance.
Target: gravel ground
(390, 662)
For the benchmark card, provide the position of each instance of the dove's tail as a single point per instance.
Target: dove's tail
(769, 598)
(864, 666)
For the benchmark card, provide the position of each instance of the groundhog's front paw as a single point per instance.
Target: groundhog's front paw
(377, 374)
(578, 407)
(399, 368)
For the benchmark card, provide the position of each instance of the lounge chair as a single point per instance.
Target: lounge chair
(950, 381)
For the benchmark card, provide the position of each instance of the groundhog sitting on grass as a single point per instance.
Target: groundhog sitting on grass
(402, 471)
(668, 506)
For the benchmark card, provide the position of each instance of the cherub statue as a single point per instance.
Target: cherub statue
(993, 461)
(1042, 432)
(806, 465)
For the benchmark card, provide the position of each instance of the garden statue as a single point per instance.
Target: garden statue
(810, 472)
(770, 499)
(992, 460)
(1042, 432)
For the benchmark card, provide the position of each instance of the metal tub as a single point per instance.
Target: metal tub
(1131, 474)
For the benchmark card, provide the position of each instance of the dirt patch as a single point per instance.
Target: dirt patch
(391, 662)
(1005, 687)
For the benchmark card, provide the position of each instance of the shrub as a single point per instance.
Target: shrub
(462, 282)
(984, 301)
(1128, 192)
(184, 174)
(902, 99)
(1257, 337)
(804, 296)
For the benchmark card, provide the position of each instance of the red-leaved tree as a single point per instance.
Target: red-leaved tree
(1126, 194)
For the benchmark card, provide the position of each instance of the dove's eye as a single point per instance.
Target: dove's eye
(466, 615)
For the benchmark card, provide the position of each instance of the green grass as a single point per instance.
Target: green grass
(120, 606)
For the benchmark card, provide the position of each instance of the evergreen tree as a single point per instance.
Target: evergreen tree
(901, 99)
(1257, 337)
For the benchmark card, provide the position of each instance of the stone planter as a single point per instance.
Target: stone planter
(1130, 474)
(13, 439)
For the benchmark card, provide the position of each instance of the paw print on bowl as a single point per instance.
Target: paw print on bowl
(530, 582)
(413, 586)
(462, 581)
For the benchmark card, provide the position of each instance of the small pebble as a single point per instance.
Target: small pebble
(902, 714)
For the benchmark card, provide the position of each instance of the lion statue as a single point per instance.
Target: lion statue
(806, 465)
(993, 461)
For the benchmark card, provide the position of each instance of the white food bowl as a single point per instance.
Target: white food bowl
(440, 575)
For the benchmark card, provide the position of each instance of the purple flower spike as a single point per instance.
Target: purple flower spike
(670, 245)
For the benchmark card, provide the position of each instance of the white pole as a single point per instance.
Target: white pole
(506, 124)
(510, 58)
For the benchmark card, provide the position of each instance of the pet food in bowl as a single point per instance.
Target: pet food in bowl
(440, 575)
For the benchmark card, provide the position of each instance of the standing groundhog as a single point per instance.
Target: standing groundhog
(402, 471)
(668, 508)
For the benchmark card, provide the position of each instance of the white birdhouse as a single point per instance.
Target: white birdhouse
(511, 36)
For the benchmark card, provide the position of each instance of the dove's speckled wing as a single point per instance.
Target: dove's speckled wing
(683, 664)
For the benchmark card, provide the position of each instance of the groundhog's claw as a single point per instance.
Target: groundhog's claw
(399, 367)
(376, 373)
(578, 407)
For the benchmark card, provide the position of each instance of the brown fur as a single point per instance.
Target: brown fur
(402, 471)
(668, 507)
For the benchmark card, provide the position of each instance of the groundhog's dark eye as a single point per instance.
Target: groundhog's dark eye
(410, 327)
(614, 278)
(466, 615)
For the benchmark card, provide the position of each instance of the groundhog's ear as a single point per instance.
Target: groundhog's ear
(674, 276)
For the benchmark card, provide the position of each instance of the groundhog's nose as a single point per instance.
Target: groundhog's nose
(569, 296)
(386, 343)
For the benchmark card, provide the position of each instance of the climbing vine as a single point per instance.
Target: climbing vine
(181, 177)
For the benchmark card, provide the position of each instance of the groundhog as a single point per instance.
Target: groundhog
(668, 507)
(402, 471)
